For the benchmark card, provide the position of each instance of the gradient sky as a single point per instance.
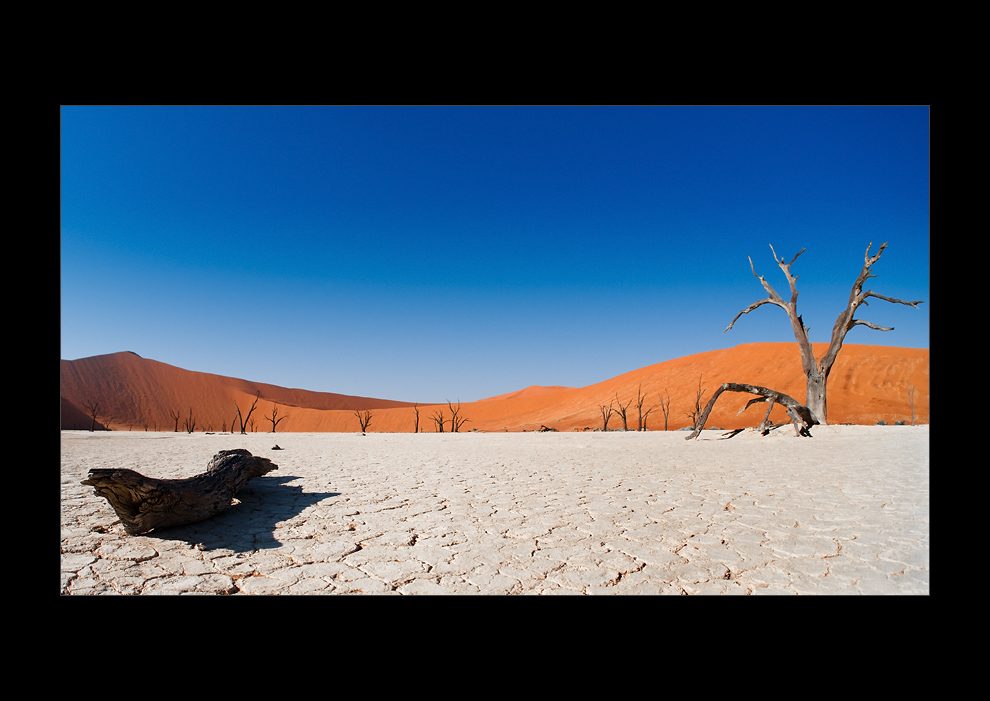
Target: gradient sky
(433, 253)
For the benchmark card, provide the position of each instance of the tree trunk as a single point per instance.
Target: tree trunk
(816, 397)
(145, 503)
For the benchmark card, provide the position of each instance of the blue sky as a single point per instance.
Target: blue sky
(433, 253)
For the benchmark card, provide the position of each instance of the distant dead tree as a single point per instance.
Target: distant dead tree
(93, 409)
(223, 426)
(817, 372)
(438, 420)
(174, 413)
(607, 412)
(416, 409)
(455, 422)
(190, 422)
(274, 419)
(364, 418)
(665, 405)
(696, 414)
(640, 399)
(911, 400)
(245, 419)
(621, 411)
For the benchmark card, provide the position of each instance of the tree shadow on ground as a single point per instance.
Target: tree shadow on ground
(250, 525)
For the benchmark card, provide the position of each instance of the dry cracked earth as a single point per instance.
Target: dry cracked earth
(845, 512)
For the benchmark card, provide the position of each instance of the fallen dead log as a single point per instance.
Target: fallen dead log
(145, 503)
(800, 415)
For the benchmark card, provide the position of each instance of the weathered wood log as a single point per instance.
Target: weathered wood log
(801, 416)
(145, 503)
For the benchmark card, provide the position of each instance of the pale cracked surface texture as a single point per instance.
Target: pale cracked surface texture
(845, 512)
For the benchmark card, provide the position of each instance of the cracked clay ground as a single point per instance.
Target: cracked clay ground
(845, 512)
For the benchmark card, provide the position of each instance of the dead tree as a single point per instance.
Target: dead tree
(693, 415)
(666, 409)
(606, 412)
(416, 409)
(455, 422)
(145, 503)
(911, 400)
(640, 399)
(364, 418)
(817, 371)
(93, 409)
(621, 411)
(244, 419)
(801, 416)
(174, 413)
(273, 420)
(190, 422)
(438, 420)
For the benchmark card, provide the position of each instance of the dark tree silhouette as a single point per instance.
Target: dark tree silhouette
(640, 399)
(665, 405)
(606, 412)
(817, 371)
(93, 409)
(621, 411)
(364, 418)
(696, 414)
(245, 419)
(274, 419)
(416, 409)
(455, 422)
(174, 413)
(190, 422)
(438, 420)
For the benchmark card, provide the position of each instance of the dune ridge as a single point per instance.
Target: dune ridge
(868, 384)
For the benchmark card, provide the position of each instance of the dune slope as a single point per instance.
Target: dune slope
(867, 384)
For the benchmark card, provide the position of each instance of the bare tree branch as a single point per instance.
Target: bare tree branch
(438, 419)
(456, 423)
(607, 412)
(364, 418)
(244, 420)
(275, 421)
(621, 411)
(665, 405)
(800, 415)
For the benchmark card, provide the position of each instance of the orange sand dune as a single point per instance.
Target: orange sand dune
(134, 392)
(530, 391)
(867, 384)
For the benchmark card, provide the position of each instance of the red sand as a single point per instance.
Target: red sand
(867, 384)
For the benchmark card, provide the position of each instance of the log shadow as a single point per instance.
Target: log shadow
(249, 525)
